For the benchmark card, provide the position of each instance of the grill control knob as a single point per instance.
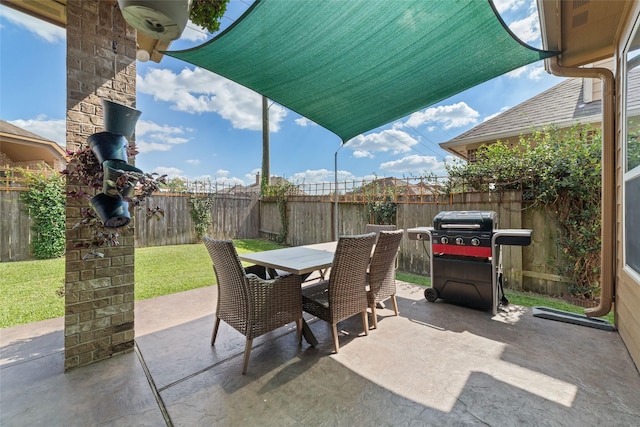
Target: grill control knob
(475, 241)
(459, 241)
(444, 240)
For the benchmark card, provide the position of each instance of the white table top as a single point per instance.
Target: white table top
(296, 260)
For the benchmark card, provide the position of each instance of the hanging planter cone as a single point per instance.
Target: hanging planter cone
(113, 171)
(112, 211)
(119, 118)
(108, 146)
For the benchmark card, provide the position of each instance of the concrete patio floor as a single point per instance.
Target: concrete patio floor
(435, 364)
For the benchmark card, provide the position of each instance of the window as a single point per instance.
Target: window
(631, 147)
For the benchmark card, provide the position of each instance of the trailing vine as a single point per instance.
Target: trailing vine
(380, 205)
(560, 170)
(200, 210)
(280, 193)
(83, 167)
(45, 202)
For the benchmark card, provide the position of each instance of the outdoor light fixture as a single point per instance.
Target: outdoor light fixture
(142, 55)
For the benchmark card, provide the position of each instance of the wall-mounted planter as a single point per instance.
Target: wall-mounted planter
(119, 119)
(112, 211)
(108, 146)
(113, 171)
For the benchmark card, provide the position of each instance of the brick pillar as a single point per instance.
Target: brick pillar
(99, 299)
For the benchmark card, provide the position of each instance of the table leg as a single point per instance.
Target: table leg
(308, 334)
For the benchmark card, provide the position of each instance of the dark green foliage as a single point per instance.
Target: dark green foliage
(200, 210)
(380, 205)
(633, 145)
(46, 203)
(281, 192)
(207, 13)
(560, 170)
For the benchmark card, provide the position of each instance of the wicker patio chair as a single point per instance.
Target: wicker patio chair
(249, 304)
(382, 272)
(377, 228)
(344, 294)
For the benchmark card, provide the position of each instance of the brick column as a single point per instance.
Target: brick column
(99, 299)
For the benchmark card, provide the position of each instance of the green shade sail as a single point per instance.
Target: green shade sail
(354, 65)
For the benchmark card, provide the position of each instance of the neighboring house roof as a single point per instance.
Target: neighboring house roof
(255, 187)
(562, 105)
(23, 147)
(397, 186)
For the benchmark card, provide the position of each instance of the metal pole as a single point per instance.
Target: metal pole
(335, 195)
(266, 173)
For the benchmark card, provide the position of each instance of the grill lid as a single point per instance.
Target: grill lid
(466, 220)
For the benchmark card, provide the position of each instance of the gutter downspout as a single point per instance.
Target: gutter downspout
(608, 226)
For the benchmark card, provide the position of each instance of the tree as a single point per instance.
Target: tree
(207, 13)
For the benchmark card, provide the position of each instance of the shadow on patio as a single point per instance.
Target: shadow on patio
(435, 364)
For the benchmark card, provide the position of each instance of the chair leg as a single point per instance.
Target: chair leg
(365, 321)
(247, 352)
(395, 303)
(299, 330)
(334, 333)
(374, 316)
(215, 330)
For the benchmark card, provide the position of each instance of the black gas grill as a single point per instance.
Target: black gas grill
(465, 247)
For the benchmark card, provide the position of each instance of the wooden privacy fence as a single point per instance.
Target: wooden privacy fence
(233, 217)
(312, 220)
(531, 268)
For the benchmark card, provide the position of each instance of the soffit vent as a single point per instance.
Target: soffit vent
(580, 19)
(580, 3)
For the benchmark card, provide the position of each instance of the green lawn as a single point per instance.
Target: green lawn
(32, 290)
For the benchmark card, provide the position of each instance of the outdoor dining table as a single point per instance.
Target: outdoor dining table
(300, 260)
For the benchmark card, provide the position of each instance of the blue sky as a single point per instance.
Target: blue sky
(200, 126)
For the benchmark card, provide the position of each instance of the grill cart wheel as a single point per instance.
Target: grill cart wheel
(431, 294)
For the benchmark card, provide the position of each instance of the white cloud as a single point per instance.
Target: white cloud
(228, 181)
(416, 165)
(193, 161)
(320, 175)
(358, 154)
(151, 136)
(448, 116)
(389, 140)
(48, 32)
(171, 172)
(536, 72)
(194, 33)
(303, 121)
(527, 29)
(199, 91)
(54, 130)
(221, 173)
(532, 72)
(506, 5)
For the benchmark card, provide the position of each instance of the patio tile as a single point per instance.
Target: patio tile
(434, 364)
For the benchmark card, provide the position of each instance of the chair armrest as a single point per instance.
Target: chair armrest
(279, 294)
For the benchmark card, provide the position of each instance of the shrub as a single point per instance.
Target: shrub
(560, 170)
(200, 210)
(45, 203)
